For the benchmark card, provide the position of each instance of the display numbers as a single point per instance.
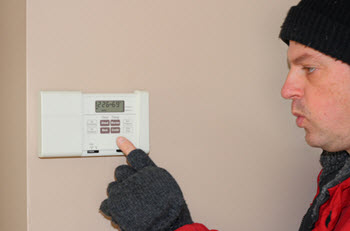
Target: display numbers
(109, 106)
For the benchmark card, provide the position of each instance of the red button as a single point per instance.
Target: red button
(104, 130)
(104, 122)
(115, 130)
(115, 122)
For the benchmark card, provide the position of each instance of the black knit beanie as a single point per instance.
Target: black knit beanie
(320, 24)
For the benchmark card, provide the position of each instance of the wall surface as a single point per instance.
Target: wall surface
(13, 203)
(214, 70)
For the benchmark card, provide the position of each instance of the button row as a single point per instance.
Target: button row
(108, 130)
(127, 130)
(105, 130)
(110, 122)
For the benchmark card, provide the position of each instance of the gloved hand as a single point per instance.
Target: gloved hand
(145, 197)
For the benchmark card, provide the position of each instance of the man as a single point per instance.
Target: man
(318, 83)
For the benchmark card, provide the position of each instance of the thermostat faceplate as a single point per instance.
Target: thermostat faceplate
(78, 124)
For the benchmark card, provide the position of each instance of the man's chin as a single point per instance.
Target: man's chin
(313, 141)
(318, 142)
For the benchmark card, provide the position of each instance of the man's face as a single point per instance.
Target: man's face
(319, 87)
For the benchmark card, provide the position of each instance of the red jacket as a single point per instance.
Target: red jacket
(336, 209)
(194, 227)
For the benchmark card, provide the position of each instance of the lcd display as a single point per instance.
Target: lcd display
(109, 106)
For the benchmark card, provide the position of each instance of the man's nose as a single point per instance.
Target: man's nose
(293, 87)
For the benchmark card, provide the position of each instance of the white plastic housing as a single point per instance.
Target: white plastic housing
(71, 125)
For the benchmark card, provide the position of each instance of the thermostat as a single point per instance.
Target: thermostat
(78, 124)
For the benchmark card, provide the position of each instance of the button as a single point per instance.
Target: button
(91, 130)
(104, 122)
(115, 122)
(92, 122)
(104, 130)
(128, 124)
(115, 130)
(127, 121)
(128, 130)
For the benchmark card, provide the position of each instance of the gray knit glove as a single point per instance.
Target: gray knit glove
(145, 197)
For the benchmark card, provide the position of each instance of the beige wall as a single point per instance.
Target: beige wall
(214, 70)
(13, 116)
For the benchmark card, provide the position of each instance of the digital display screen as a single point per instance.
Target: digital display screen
(109, 106)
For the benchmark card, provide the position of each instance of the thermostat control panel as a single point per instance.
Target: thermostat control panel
(78, 124)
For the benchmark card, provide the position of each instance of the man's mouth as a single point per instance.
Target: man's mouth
(300, 119)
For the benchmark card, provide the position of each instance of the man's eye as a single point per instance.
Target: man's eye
(310, 69)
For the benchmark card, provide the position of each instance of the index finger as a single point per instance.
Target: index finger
(125, 145)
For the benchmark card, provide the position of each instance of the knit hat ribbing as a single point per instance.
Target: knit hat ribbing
(320, 24)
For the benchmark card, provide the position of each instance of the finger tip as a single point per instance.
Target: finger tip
(120, 140)
(125, 145)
